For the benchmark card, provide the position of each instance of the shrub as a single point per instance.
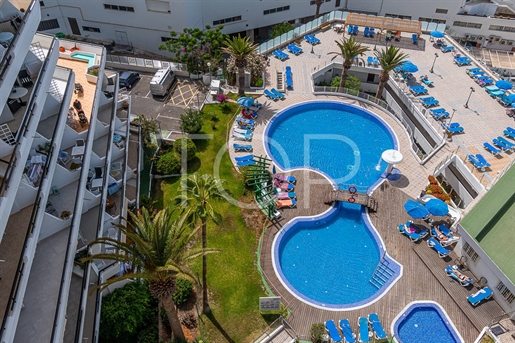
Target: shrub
(150, 334)
(192, 121)
(317, 331)
(191, 149)
(168, 164)
(183, 291)
(432, 180)
(352, 82)
(258, 82)
(335, 82)
(222, 98)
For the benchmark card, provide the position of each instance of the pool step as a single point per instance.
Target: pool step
(382, 274)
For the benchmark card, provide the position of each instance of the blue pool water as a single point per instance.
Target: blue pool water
(90, 58)
(328, 261)
(425, 322)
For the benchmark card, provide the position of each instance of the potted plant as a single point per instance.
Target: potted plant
(62, 49)
(125, 104)
(92, 73)
(65, 215)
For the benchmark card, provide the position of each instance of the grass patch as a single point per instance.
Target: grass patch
(235, 96)
(234, 283)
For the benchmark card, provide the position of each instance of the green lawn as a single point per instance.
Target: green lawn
(233, 280)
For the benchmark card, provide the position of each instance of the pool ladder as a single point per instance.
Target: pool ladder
(382, 274)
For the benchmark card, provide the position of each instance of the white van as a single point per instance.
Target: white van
(162, 82)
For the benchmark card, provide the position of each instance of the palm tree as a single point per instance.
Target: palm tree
(349, 49)
(199, 193)
(389, 59)
(240, 49)
(159, 254)
(318, 3)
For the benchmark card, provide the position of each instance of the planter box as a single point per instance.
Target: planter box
(92, 78)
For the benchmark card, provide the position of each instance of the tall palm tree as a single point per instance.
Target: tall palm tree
(389, 59)
(349, 49)
(240, 49)
(199, 193)
(159, 254)
(318, 3)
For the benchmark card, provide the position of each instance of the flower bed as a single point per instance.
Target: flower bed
(436, 190)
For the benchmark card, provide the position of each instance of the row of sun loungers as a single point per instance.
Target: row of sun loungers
(462, 61)
(289, 79)
(429, 102)
(280, 54)
(311, 39)
(502, 143)
(439, 113)
(478, 161)
(294, 49)
(274, 94)
(418, 90)
(364, 329)
(453, 128)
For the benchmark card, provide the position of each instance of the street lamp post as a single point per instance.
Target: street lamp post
(432, 67)
(209, 67)
(452, 115)
(472, 90)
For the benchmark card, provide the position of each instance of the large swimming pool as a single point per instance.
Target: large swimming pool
(425, 322)
(328, 261)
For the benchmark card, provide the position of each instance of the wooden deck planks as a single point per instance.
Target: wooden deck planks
(418, 282)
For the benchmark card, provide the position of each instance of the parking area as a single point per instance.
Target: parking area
(185, 93)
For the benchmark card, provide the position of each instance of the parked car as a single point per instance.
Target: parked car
(127, 79)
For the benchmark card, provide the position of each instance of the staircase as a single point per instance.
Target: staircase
(382, 274)
(280, 81)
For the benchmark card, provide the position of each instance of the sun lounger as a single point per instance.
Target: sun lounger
(485, 81)
(246, 121)
(447, 48)
(376, 62)
(439, 113)
(472, 70)
(284, 178)
(482, 160)
(348, 335)
(491, 148)
(418, 90)
(444, 235)
(427, 82)
(476, 73)
(433, 243)
(476, 162)
(286, 195)
(373, 318)
(501, 145)
(462, 61)
(406, 230)
(506, 142)
(498, 93)
(242, 147)
(284, 186)
(455, 273)
(355, 30)
(364, 332)
(505, 100)
(277, 93)
(311, 39)
(294, 49)
(244, 158)
(245, 163)
(270, 95)
(290, 203)
(483, 294)
(331, 329)
(370, 60)
(243, 131)
(453, 128)
(242, 136)
(371, 32)
(349, 29)
(280, 54)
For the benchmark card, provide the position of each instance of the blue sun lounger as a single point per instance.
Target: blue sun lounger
(491, 148)
(242, 147)
(414, 236)
(294, 49)
(349, 29)
(510, 129)
(241, 136)
(479, 164)
(363, 330)
(277, 93)
(418, 90)
(331, 329)
(270, 95)
(373, 318)
(501, 144)
(439, 113)
(371, 32)
(355, 30)
(370, 60)
(244, 158)
(433, 243)
(483, 294)
(348, 335)
(506, 142)
(447, 48)
(280, 54)
(462, 61)
(427, 82)
(245, 163)
(453, 128)
(429, 101)
(472, 70)
(454, 273)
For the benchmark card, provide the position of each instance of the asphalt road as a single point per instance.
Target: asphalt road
(185, 93)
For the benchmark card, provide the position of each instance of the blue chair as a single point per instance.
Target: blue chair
(331, 329)
(363, 330)
(270, 95)
(414, 38)
(365, 32)
(506, 142)
(349, 29)
(348, 335)
(379, 333)
(370, 60)
(376, 62)
(277, 93)
(355, 30)
(242, 147)
(491, 148)
(371, 32)
(433, 243)
(483, 294)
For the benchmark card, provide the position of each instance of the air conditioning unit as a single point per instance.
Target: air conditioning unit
(491, 37)
(480, 37)
(503, 41)
(496, 39)
(467, 35)
(473, 37)
(510, 42)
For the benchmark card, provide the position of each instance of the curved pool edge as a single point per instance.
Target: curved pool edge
(394, 328)
(265, 138)
(395, 266)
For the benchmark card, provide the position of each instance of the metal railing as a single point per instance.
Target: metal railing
(145, 63)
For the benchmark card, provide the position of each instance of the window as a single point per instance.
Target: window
(370, 78)
(470, 252)
(313, 2)
(465, 24)
(226, 20)
(166, 39)
(505, 292)
(400, 16)
(90, 29)
(119, 8)
(431, 20)
(41, 3)
(337, 3)
(274, 10)
(441, 10)
(502, 28)
(48, 25)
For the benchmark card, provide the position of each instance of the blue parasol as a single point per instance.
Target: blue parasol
(437, 207)
(416, 209)
(437, 34)
(503, 84)
(409, 67)
(245, 101)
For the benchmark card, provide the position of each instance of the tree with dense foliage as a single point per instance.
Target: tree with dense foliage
(160, 251)
(198, 194)
(317, 332)
(389, 59)
(168, 164)
(188, 144)
(240, 49)
(281, 28)
(191, 121)
(256, 64)
(318, 4)
(195, 47)
(349, 49)
(352, 82)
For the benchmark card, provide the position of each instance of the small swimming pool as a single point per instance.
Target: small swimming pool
(328, 261)
(84, 56)
(425, 322)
